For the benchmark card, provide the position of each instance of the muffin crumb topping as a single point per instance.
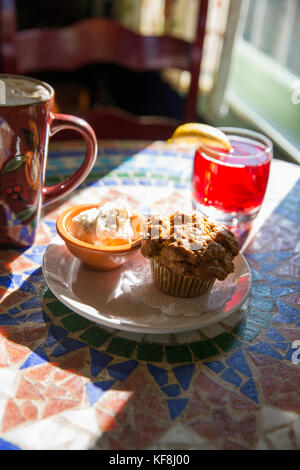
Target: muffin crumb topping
(191, 245)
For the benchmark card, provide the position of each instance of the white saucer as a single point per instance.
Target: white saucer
(118, 299)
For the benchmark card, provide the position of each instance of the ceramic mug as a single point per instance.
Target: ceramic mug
(26, 123)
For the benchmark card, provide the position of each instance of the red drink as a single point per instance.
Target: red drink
(237, 182)
(230, 186)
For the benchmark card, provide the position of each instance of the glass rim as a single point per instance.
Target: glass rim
(242, 132)
(35, 101)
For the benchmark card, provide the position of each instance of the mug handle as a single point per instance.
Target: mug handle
(59, 122)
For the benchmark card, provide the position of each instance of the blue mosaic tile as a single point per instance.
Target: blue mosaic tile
(256, 275)
(99, 361)
(289, 206)
(23, 233)
(281, 345)
(265, 267)
(288, 313)
(238, 361)
(122, 370)
(6, 445)
(279, 291)
(283, 255)
(6, 281)
(14, 311)
(288, 310)
(259, 256)
(179, 186)
(171, 390)
(127, 182)
(277, 281)
(39, 317)
(16, 278)
(34, 302)
(55, 334)
(22, 318)
(67, 345)
(266, 349)
(278, 318)
(249, 389)
(215, 366)
(36, 254)
(160, 375)
(187, 156)
(107, 182)
(273, 334)
(8, 320)
(232, 377)
(27, 286)
(161, 183)
(51, 224)
(96, 390)
(184, 375)
(35, 274)
(36, 358)
(176, 406)
(261, 290)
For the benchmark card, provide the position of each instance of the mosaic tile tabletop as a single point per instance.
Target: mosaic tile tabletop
(67, 383)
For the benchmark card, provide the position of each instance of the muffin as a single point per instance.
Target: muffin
(188, 252)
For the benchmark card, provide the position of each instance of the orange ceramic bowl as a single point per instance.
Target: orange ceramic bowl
(92, 256)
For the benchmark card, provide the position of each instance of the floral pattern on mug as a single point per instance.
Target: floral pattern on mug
(19, 207)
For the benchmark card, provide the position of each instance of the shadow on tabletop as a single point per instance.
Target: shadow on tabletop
(33, 318)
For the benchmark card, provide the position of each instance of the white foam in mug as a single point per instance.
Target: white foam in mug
(18, 91)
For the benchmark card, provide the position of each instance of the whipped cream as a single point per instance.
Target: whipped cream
(109, 222)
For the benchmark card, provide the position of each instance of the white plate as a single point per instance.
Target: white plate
(126, 299)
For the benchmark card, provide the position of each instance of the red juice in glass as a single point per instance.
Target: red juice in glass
(230, 186)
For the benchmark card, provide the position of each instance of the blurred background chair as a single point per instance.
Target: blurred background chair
(122, 94)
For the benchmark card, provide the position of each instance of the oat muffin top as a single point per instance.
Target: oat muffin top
(189, 244)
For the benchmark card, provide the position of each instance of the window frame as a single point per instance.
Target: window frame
(265, 95)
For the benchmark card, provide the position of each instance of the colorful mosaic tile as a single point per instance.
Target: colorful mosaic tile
(214, 385)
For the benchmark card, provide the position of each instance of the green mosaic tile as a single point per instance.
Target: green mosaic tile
(121, 346)
(150, 352)
(227, 342)
(94, 336)
(261, 304)
(96, 176)
(178, 353)
(139, 175)
(122, 175)
(204, 349)
(46, 293)
(246, 330)
(75, 323)
(58, 309)
(157, 176)
(261, 319)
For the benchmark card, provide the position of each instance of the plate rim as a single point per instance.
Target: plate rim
(137, 329)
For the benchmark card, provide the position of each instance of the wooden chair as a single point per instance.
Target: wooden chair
(98, 41)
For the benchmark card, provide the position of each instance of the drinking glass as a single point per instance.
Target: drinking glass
(229, 187)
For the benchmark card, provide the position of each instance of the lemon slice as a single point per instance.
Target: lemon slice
(195, 133)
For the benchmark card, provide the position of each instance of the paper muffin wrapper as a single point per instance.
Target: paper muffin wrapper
(177, 284)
